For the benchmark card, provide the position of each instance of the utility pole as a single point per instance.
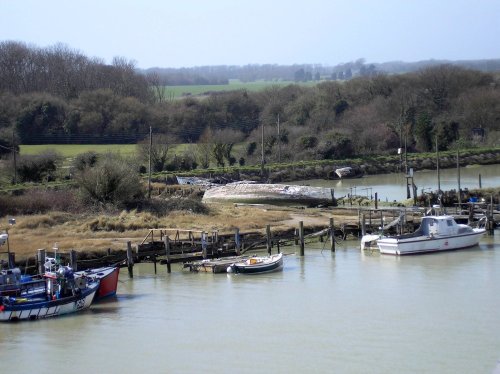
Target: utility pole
(279, 141)
(262, 152)
(437, 166)
(458, 179)
(406, 156)
(14, 156)
(150, 146)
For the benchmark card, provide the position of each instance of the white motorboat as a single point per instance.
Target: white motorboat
(436, 233)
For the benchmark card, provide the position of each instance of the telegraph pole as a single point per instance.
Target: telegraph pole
(262, 152)
(14, 156)
(437, 166)
(279, 141)
(406, 153)
(458, 180)
(150, 146)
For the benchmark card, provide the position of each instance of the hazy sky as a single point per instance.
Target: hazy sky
(186, 33)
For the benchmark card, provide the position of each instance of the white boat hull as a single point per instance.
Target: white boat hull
(258, 265)
(425, 244)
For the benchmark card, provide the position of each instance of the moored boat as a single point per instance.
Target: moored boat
(64, 293)
(107, 277)
(435, 234)
(348, 172)
(369, 241)
(258, 264)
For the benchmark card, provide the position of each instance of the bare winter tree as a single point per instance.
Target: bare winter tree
(159, 151)
(156, 83)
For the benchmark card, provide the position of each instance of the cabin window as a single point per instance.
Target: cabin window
(450, 222)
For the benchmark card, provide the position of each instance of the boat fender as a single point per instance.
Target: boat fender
(229, 269)
(80, 283)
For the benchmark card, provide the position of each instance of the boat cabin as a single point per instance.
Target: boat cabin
(440, 226)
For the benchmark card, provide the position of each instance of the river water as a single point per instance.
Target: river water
(344, 312)
(393, 186)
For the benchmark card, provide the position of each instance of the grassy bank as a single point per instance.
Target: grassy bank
(283, 172)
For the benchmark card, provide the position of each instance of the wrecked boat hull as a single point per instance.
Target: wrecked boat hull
(254, 193)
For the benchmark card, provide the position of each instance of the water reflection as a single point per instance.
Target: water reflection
(393, 186)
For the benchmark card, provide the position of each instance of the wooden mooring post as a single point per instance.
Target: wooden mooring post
(167, 252)
(268, 239)
(301, 237)
(73, 260)
(41, 261)
(12, 260)
(237, 242)
(332, 235)
(130, 260)
(490, 220)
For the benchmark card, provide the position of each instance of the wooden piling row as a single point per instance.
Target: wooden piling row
(171, 247)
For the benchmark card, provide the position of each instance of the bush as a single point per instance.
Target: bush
(309, 142)
(111, 181)
(38, 168)
(84, 160)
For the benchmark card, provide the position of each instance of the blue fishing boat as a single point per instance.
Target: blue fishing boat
(63, 293)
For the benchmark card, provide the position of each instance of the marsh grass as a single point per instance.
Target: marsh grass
(39, 201)
(88, 232)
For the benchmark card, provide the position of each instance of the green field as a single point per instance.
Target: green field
(175, 92)
(71, 150)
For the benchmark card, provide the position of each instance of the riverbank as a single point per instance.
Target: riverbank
(325, 169)
(100, 231)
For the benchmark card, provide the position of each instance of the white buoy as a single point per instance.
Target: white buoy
(229, 269)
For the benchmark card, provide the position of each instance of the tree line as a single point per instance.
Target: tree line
(59, 95)
(221, 74)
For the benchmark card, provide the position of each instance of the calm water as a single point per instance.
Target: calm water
(393, 186)
(345, 312)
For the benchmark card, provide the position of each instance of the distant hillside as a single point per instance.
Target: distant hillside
(221, 74)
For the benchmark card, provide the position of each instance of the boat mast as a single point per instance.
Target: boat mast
(437, 166)
(458, 180)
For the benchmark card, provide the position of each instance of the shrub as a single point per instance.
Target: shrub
(111, 181)
(84, 160)
(38, 168)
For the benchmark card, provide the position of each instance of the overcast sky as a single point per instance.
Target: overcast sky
(185, 33)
